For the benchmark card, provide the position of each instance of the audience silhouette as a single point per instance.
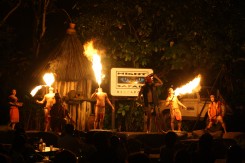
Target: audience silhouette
(204, 153)
(168, 150)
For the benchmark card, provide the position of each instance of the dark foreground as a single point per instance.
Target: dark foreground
(150, 143)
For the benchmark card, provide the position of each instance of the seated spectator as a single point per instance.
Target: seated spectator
(21, 150)
(103, 151)
(138, 157)
(204, 154)
(168, 150)
(65, 156)
(134, 146)
(119, 152)
(182, 155)
(69, 141)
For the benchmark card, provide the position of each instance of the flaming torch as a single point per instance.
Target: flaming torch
(190, 87)
(34, 91)
(48, 79)
(92, 54)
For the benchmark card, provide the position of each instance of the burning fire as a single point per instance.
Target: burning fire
(92, 54)
(97, 67)
(34, 91)
(192, 86)
(48, 79)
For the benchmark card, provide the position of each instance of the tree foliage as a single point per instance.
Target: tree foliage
(177, 39)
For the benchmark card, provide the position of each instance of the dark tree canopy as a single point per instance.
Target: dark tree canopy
(177, 39)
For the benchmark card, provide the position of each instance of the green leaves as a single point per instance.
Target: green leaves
(123, 109)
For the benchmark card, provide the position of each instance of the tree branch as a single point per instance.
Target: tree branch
(10, 12)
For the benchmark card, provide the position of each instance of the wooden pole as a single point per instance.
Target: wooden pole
(113, 115)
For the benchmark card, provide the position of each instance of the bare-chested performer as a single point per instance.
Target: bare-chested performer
(49, 98)
(101, 98)
(173, 102)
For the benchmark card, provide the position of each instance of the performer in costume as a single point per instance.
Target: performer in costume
(150, 97)
(173, 102)
(216, 113)
(14, 109)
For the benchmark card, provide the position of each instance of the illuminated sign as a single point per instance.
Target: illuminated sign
(127, 81)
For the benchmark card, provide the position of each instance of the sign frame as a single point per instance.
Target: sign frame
(127, 81)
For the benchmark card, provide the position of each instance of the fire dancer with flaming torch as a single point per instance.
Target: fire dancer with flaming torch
(49, 98)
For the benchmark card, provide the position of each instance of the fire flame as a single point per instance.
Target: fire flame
(34, 91)
(192, 86)
(92, 54)
(97, 67)
(48, 79)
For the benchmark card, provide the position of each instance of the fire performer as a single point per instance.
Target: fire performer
(216, 113)
(173, 102)
(150, 97)
(14, 109)
(101, 99)
(49, 98)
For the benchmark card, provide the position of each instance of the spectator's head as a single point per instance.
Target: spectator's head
(134, 145)
(115, 140)
(206, 141)
(182, 155)
(19, 128)
(138, 157)
(57, 97)
(65, 156)
(69, 129)
(101, 140)
(19, 142)
(170, 138)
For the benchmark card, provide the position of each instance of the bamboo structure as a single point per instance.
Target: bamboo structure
(73, 76)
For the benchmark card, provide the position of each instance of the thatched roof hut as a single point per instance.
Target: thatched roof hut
(74, 76)
(68, 61)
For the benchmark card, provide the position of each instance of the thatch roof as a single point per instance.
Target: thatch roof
(68, 61)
